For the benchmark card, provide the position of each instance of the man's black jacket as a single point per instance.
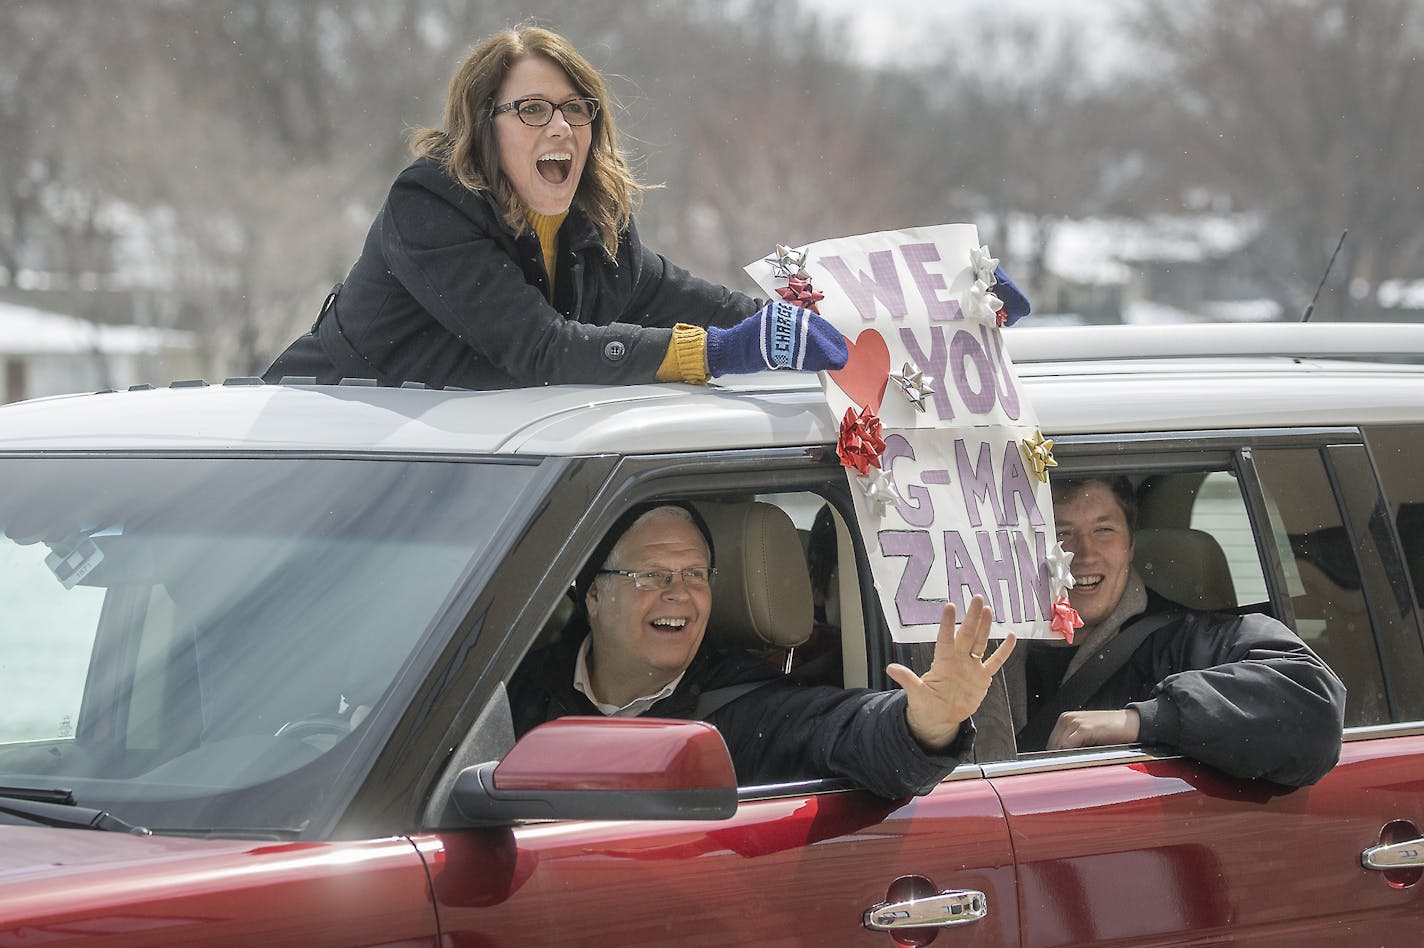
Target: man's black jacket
(444, 293)
(781, 731)
(1240, 692)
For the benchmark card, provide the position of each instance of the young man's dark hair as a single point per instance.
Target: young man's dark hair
(1064, 488)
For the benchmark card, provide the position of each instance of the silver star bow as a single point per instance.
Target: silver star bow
(788, 262)
(982, 305)
(1060, 573)
(881, 491)
(984, 265)
(916, 385)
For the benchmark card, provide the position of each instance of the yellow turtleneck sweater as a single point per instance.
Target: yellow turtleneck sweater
(686, 359)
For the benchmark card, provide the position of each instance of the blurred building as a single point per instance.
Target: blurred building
(48, 353)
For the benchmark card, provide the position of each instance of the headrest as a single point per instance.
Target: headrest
(761, 597)
(1186, 566)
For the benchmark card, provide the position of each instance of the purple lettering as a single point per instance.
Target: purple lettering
(976, 482)
(935, 364)
(918, 551)
(1017, 489)
(959, 565)
(999, 571)
(883, 284)
(929, 283)
(1003, 377)
(917, 508)
(964, 347)
(1033, 574)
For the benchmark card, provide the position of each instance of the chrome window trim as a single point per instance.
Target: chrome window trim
(1053, 761)
(1373, 732)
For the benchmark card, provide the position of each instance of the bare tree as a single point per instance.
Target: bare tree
(1307, 112)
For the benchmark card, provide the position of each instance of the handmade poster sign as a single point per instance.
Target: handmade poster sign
(947, 465)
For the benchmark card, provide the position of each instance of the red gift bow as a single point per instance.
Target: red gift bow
(800, 292)
(1065, 618)
(860, 444)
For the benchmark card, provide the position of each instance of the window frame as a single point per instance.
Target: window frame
(1355, 483)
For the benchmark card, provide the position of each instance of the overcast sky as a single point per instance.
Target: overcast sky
(887, 28)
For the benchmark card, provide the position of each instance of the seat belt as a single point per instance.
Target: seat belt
(718, 698)
(1078, 687)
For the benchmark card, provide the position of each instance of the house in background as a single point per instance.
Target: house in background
(1168, 268)
(47, 353)
(1176, 268)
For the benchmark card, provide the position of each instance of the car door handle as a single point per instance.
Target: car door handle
(953, 907)
(1405, 855)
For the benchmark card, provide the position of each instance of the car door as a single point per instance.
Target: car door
(794, 867)
(798, 863)
(1118, 845)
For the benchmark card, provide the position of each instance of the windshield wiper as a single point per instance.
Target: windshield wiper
(57, 807)
(40, 794)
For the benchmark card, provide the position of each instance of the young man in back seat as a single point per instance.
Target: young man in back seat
(1239, 692)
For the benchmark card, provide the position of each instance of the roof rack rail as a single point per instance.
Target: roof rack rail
(1395, 342)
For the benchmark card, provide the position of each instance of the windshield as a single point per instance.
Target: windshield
(200, 643)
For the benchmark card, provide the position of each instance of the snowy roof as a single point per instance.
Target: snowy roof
(1105, 251)
(1402, 294)
(26, 330)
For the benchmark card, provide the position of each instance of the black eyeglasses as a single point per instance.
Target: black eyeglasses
(697, 576)
(536, 112)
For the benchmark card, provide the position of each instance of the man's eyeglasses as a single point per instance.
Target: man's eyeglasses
(536, 112)
(696, 576)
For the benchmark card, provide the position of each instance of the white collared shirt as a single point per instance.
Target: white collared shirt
(630, 710)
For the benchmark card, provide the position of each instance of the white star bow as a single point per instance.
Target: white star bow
(982, 304)
(881, 491)
(788, 262)
(984, 265)
(1060, 571)
(916, 385)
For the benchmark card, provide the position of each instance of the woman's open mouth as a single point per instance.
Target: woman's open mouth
(554, 167)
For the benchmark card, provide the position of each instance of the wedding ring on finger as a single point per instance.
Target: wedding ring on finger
(977, 656)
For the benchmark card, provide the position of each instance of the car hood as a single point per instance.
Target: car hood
(40, 852)
(50, 874)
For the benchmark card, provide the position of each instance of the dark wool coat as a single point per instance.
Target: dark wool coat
(782, 731)
(1241, 693)
(445, 294)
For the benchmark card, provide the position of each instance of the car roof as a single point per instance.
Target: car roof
(1081, 380)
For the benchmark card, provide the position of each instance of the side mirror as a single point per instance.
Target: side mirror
(604, 769)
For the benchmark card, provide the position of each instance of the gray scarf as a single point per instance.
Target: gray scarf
(1132, 604)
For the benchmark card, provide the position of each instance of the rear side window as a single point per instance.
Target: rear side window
(1219, 510)
(1396, 451)
(1323, 576)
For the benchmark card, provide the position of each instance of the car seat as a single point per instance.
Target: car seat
(762, 594)
(1186, 566)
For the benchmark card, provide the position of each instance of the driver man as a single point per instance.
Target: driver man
(647, 596)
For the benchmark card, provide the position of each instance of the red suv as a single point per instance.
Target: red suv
(254, 641)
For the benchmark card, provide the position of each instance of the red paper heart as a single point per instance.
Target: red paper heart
(867, 370)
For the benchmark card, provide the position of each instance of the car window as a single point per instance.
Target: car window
(1324, 578)
(196, 643)
(1396, 455)
(45, 646)
(1197, 543)
(1218, 509)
